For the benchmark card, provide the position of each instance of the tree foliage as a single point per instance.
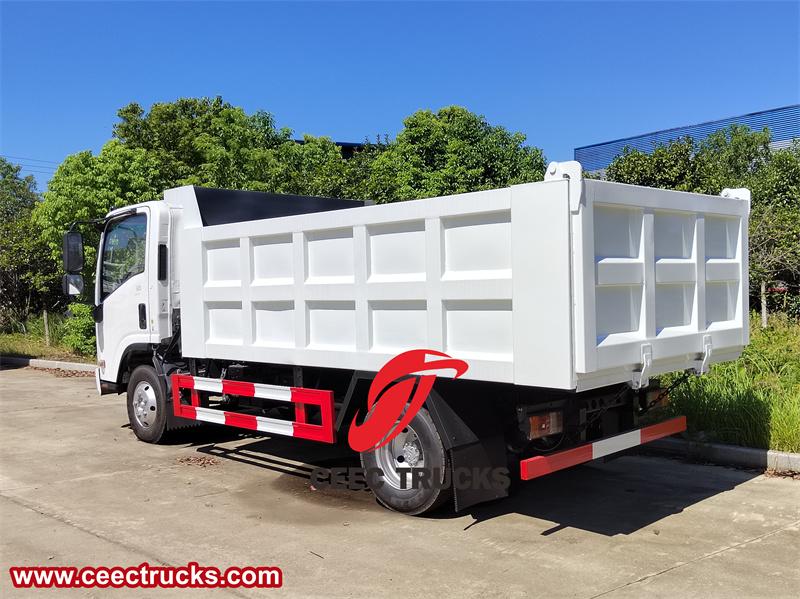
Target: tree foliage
(451, 151)
(208, 142)
(86, 187)
(79, 330)
(28, 279)
(202, 141)
(668, 166)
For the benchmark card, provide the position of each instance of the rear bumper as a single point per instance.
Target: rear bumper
(545, 464)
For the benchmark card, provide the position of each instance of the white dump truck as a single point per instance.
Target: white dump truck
(560, 298)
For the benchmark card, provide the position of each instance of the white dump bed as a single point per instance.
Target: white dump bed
(567, 283)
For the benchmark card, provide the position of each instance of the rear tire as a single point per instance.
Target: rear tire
(147, 404)
(419, 446)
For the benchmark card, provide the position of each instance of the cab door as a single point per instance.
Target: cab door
(122, 289)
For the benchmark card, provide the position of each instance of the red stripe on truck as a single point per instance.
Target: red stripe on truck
(663, 429)
(302, 397)
(238, 388)
(183, 381)
(241, 420)
(545, 464)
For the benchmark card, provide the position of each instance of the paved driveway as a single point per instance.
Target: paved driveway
(76, 488)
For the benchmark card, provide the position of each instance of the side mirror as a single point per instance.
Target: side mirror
(72, 284)
(73, 252)
(97, 313)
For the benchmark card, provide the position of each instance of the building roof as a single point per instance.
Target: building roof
(783, 123)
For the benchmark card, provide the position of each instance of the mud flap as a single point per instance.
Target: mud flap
(479, 462)
(473, 437)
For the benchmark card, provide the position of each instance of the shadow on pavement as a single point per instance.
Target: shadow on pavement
(5, 365)
(269, 452)
(617, 497)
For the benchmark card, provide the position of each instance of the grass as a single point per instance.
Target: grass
(29, 346)
(28, 341)
(754, 401)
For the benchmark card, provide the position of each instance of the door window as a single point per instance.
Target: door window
(123, 251)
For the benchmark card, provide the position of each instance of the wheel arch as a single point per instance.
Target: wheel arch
(135, 354)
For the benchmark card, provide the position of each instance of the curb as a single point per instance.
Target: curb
(51, 364)
(729, 455)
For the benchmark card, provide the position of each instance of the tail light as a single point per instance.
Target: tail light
(543, 425)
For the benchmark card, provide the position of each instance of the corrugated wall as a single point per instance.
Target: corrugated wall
(783, 123)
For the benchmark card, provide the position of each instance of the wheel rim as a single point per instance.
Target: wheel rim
(145, 404)
(402, 452)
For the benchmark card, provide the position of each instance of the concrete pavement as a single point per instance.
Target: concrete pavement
(76, 488)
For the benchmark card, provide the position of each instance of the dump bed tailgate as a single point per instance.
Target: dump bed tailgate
(660, 280)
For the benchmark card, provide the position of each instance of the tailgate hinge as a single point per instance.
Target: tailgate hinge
(640, 378)
(701, 365)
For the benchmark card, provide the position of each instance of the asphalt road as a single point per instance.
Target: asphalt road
(76, 488)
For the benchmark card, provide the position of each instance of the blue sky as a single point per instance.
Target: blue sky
(565, 74)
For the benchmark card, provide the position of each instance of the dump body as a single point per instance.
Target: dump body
(567, 283)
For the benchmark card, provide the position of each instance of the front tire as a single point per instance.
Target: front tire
(418, 447)
(147, 404)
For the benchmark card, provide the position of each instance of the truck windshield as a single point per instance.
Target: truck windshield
(123, 251)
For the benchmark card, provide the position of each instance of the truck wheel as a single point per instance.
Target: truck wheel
(147, 404)
(418, 448)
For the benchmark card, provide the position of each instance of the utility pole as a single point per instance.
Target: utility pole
(46, 329)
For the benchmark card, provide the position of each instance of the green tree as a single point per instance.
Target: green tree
(669, 166)
(451, 151)
(774, 250)
(312, 166)
(86, 187)
(202, 141)
(734, 157)
(208, 142)
(28, 278)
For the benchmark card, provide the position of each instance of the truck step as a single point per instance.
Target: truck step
(545, 464)
(299, 396)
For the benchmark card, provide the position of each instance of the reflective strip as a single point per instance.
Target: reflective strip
(210, 385)
(242, 388)
(663, 429)
(208, 415)
(273, 392)
(237, 388)
(611, 445)
(545, 464)
(247, 421)
(276, 427)
(259, 423)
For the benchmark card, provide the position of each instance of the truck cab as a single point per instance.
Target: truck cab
(132, 284)
(131, 294)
